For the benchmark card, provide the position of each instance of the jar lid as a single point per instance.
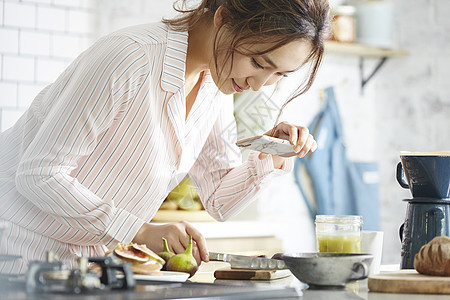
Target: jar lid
(340, 219)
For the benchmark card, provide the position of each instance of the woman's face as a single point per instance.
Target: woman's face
(253, 72)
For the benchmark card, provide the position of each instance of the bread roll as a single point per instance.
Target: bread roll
(434, 257)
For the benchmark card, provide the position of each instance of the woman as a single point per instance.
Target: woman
(93, 158)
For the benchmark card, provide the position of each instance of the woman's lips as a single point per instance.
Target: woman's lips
(237, 88)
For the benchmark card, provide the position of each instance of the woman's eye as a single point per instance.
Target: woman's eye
(256, 65)
(281, 75)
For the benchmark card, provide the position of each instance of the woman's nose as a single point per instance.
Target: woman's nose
(262, 80)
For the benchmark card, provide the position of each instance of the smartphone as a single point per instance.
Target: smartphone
(268, 144)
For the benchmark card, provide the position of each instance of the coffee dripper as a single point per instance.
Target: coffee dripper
(428, 211)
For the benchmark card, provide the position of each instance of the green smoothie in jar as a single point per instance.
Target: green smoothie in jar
(338, 233)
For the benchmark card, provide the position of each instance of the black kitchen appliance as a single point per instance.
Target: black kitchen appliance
(428, 211)
(51, 276)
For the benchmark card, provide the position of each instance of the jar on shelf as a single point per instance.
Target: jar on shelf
(374, 23)
(343, 27)
(339, 233)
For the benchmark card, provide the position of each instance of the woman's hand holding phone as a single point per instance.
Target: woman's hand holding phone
(283, 141)
(299, 137)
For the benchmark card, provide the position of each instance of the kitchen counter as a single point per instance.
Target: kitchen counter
(353, 291)
(204, 285)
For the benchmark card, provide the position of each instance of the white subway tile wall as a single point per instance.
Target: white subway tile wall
(11, 38)
(18, 68)
(8, 91)
(19, 15)
(65, 46)
(69, 3)
(34, 43)
(116, 14)
(1, 13)
(51, 18)
(39, 1)
(79, 22)
(38, 40)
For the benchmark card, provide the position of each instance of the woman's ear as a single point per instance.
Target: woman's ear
(221, 16)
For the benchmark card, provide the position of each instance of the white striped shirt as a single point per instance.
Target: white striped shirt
(98, 150)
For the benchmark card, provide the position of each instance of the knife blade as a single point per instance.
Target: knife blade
(248, 262)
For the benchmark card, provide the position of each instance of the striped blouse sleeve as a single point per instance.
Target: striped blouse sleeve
(86, 99)
(225, 184)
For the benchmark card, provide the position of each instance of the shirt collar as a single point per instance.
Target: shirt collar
(174, 63)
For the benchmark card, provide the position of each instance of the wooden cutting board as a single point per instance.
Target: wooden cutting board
(409, 281)
(246, 274)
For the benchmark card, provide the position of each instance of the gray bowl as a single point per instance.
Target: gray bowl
(328, 270)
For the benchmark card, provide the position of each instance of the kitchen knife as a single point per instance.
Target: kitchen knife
(248, 262)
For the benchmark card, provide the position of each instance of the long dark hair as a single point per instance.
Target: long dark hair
(277, 22)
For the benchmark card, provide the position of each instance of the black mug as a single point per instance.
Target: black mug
(427, 175)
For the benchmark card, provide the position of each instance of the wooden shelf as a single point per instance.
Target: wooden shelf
(361, 50)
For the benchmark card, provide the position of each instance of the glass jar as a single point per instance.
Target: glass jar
(339, 233)
(343, 27)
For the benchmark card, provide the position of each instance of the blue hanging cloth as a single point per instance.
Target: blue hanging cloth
(340, 186)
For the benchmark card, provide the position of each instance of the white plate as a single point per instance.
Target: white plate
(164, 276)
